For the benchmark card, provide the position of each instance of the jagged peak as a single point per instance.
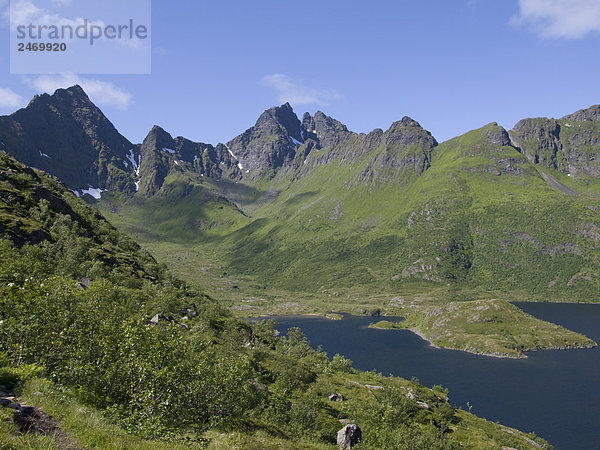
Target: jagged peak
(281, 116)
(278, 114)
(408, 132)
(62, 95)
(405, 123)
(158, 129)
(73, 90)
(157, 136)
(327, 122)
(70, 94)
(308, 122)
(37, 98)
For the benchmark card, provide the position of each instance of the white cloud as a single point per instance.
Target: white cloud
(25, 12)
(291, 91)
(571, 19)
(10, 99)
(102, 93)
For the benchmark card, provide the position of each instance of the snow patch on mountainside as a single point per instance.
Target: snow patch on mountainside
(94, 192)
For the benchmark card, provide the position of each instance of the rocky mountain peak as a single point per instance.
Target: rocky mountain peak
(66, 135)
(158, 136)
(327, 123)
(308, 123)
(74, 91)
(409, 132)
(278, 117)
(67, 101)
(409, 122)
(155, 162)
(329, 131)
(497, 135)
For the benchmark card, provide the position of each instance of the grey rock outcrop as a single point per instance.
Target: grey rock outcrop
(162, 154)
(570, 144)
(270, 144)
(349, 436)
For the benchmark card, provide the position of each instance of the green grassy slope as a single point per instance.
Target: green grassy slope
(481, 216)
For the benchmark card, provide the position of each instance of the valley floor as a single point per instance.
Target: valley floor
(446, 316)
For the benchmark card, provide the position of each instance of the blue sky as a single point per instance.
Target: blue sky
(452, 65)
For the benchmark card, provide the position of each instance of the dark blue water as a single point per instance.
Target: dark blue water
(554, 393)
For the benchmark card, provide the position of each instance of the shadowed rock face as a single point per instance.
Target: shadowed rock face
(66, 135)
(162, 154)
(569, 145)
(329, 131)
(274, 119)
(155, 164)
(270, 144)
(539, 140)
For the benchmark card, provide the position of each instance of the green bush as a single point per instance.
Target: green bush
(11, 377)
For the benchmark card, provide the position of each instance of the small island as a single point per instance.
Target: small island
(387, 325)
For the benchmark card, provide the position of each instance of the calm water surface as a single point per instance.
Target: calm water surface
(554, 393)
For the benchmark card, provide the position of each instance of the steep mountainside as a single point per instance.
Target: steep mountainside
(569, 145)
(37, 209)
(67, 135)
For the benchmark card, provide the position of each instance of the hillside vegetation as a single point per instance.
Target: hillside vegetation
(121, 354)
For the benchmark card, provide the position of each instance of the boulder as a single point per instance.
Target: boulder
(349, 436)
(158, 317)
(84, 282)
(335, 397)
(424, 405)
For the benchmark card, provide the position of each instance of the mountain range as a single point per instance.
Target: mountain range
(308, 205)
